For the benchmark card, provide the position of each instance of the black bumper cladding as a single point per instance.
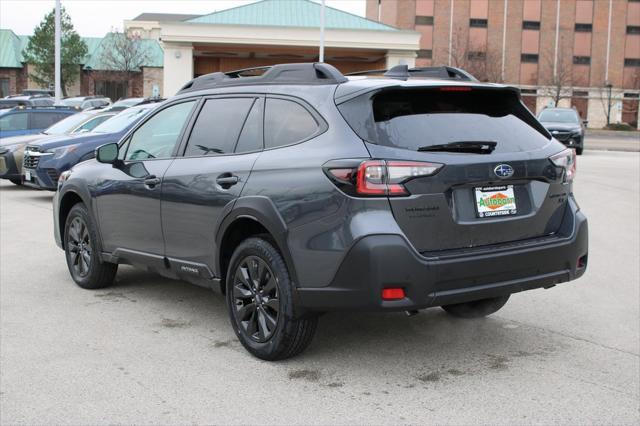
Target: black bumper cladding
(381, 261)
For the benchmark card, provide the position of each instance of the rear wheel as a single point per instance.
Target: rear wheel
(260, 301)
(477, 308)
(81, 251)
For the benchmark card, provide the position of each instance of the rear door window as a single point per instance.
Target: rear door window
(218, 126)
(251, 135)
(42, 120)
(418, 118)
(287, 122)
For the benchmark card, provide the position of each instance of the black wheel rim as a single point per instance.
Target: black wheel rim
(255, 297)
(79, 246)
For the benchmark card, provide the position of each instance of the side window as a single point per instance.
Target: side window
(158, 136)
(218, 126)
(251, 135)
(42, 120)
(286, 122)
(17, 121)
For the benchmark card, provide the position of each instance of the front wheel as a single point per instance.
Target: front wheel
(259, 295)
(81, 250)
(16, 181)
(477, 308)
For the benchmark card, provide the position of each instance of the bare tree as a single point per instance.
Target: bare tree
(557, 84)
(484, 65)
(125, 53)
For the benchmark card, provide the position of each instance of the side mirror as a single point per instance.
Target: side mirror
(107, 154)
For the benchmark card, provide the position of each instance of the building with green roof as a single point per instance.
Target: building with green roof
(268, 32)
(96, 77)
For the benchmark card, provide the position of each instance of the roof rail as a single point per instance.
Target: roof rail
(303, 73)
(403, 72)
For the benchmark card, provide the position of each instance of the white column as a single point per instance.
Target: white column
(178, 67)
(400, 57)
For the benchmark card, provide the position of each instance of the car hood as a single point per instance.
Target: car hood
(76, 139)
(549, 125)
(24, 139)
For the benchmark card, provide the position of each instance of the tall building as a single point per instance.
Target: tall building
(581, 53)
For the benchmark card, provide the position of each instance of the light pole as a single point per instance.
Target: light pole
(58, 89)
(321, 55)
(609, 86)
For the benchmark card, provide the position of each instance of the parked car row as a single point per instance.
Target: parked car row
(37, 160)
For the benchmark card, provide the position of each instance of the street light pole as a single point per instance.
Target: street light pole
(321, 55)
(58, 89)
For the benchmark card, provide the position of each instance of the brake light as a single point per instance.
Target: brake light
(455, 89)
(393, 293)
(380, 177)
(567, 160)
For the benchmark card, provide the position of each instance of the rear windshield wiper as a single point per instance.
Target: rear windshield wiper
(470, 147)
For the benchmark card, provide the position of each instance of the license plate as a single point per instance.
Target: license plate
(27, 175)
(495, 201)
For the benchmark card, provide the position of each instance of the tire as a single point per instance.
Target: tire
(16, 181)
(82, 251)
(477, 308)
(579, 151)
(259, 295)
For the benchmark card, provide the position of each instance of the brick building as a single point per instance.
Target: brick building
(586, 53)
(96, 77)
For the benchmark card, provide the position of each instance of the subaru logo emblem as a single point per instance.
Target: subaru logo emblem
(503, 171)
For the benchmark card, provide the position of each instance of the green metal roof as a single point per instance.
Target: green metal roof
(10, 50)
(155, 53)
(289, 13)
(12, 46)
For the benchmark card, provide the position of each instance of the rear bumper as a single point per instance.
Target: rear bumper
(380, 261)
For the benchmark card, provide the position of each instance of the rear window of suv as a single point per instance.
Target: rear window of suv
(416, 118)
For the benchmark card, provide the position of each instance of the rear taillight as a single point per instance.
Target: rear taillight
(567, 160)
(381, 177)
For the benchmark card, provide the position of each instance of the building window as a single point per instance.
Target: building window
(477, 23)
(633, 29)
(113, 90)
(531, 58)
(531, 25)
(529, 92)
(476, 56)
(582, 60)
(4, 87)
(632, 62)
(425, 53)
(631, 95)
(580, 94)
(424, 20)
(583, 28)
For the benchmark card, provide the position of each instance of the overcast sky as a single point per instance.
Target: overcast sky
(94, 18)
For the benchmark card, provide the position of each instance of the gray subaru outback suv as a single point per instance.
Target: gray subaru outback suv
(300, 191)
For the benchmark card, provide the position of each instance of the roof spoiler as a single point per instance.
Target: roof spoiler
(303, 73)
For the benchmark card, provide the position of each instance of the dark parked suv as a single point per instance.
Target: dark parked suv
(301, 191)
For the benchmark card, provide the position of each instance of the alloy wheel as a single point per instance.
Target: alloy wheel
(80, 249)
(255, 296)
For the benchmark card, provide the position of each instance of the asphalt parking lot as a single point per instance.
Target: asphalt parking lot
(155, 351)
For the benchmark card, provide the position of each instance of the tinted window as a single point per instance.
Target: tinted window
(411, 119)
(18, 121)
(158, 136)
(42, 120)
(287, 122)
(218, 125)
(251, 135)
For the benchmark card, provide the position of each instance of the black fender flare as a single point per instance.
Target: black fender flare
(262, 210)
(82, 192)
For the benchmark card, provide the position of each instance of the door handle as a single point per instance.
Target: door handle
(151, 181)
(227, 180)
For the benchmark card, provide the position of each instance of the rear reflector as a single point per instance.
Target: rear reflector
(392, 293)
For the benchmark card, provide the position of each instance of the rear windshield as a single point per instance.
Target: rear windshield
(417, 118)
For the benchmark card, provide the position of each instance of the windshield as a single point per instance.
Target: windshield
(419, 118)
(558, 116)
(128, 102)
(74, 102)
(64, 126)
(121, 121)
